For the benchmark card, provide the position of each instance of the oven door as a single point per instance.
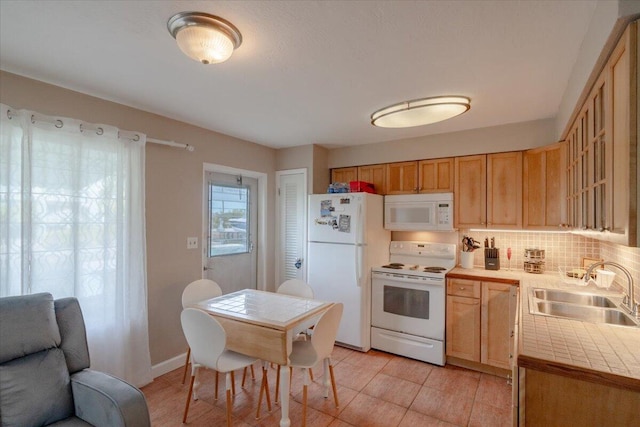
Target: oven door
(411, 304)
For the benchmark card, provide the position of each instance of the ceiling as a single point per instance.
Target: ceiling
(307, 72)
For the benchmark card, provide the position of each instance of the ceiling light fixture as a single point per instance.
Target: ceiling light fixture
(420, 112)
(206, 38)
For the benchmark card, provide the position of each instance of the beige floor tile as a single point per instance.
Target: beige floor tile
(413, 419)
(355, 377)
(451, 378)
(374, 389)
(392, 389)
(340, 423)
(367, 411)
(316, 399)
(408, 369)
(373, 359)
(486, 415)
(494, 391)
(450, 406)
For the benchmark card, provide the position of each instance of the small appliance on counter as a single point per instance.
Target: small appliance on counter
(534, 261)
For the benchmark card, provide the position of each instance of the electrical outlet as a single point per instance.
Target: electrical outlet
(192, 243)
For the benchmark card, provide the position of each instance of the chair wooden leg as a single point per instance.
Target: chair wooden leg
(333, 385)
(277, 384)
(304, 405)
(264, 389)
(233, 384)
(186, 365)
(216, 395)
(253, 375)
(186, 407)
(311, 373)
(228, 387)
(229, 408)
(244, 376)
(305, 382)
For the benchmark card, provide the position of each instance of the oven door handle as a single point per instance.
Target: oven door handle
(390, 277)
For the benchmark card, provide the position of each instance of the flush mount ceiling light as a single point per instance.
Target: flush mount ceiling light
(206, 38)
(420, 112)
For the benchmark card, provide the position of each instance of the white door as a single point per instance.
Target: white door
(291, 213)
(230, 231)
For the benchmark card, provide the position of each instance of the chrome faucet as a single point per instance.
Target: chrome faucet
(628, 302)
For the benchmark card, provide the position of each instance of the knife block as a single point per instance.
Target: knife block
(491, 259)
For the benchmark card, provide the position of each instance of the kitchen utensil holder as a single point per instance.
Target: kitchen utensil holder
(466, 259)
(491, 258)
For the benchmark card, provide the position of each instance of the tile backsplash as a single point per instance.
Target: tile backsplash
(561, 250)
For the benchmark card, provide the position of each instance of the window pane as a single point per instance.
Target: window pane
(228, 222)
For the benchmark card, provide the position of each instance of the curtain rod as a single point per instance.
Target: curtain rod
(59, 123)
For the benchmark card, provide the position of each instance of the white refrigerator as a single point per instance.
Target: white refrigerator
(346, 238)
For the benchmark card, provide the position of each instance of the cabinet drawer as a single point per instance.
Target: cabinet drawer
(463, 288)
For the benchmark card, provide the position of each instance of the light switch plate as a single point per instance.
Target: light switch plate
(192, 243)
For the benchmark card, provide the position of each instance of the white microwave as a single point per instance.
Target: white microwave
(419, 212)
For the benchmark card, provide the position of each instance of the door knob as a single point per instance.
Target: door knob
(298, 263)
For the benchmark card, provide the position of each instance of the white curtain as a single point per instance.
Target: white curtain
(72, 224)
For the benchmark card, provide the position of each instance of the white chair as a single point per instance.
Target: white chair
(197, 291)
(296, 288)
(207, 340)
(306, 354)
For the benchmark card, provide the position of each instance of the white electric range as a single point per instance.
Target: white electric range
(408, 300)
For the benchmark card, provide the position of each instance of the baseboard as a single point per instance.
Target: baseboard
(475, 366)
(168, 365)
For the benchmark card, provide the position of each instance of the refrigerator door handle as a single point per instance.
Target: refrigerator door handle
(359, 247)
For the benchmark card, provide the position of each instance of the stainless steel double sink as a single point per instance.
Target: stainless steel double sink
(578, 306)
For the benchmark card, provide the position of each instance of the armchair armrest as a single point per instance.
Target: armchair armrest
(103, 400)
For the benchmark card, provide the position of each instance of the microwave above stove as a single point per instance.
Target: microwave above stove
(419, 212)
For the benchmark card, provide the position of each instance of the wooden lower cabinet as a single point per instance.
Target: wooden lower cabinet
(463, 333)
(480, 324)
(497, 324)
(548, 399)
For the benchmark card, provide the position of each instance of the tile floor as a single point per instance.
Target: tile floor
(374, 389)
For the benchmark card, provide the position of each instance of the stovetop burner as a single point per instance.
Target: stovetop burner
(395, 266)
(434, 269)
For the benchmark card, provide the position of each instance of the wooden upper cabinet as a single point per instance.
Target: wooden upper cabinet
(544, 191)
(602, 165)
(344, 174)
(376, 175)
(470, 191)
(402, 177)
(504, 190)
(621, 166)
(436, 176)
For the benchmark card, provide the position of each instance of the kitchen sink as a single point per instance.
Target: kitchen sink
(573, 298)
(578, 306)
(585, 313)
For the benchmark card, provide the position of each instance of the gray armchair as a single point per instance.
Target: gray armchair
(44, 375)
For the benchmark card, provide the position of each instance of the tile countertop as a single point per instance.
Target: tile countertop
(606, 354)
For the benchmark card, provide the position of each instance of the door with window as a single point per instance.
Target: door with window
(230, 231)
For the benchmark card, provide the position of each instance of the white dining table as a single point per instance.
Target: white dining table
(263, 325)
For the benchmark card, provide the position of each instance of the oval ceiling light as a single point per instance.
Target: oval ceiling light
(419, 112)
(206, 38)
